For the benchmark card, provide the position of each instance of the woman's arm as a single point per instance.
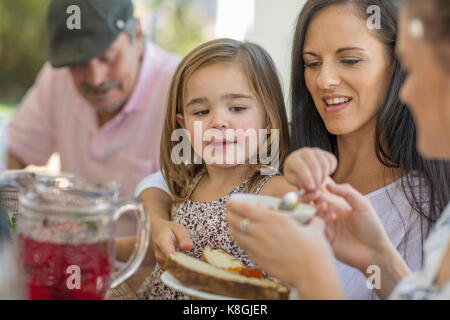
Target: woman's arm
(392, 270)
(295, 254)
(358, 239)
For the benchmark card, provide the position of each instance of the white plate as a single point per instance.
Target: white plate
(174, 283)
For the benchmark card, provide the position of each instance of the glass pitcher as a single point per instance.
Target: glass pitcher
(65, 236)
(11, 286)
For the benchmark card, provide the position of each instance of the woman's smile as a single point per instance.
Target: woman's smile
(335, 103)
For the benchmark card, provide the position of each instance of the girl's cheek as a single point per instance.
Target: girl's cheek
(248, 123)
(196, 137)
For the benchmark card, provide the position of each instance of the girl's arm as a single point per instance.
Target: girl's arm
(165, 235)
(158, 204)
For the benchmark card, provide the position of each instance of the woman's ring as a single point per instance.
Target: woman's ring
(244, 225)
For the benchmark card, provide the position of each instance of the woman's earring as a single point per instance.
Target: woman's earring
(416, 29)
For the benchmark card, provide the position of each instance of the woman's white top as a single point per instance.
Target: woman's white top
(155, 180)
(421, 285)
(404, 227)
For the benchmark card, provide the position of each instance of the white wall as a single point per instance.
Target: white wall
(273, 28)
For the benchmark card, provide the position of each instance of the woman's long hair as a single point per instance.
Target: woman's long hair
(395, 143)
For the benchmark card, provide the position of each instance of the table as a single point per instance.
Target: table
(121, 292)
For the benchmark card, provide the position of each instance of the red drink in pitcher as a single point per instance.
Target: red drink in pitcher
(66, 271)
(65, 235)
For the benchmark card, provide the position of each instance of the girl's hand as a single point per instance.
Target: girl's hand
(295, 254)
(166, 237)
(309, 168)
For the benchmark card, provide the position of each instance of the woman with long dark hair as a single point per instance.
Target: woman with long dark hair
(356, 236)
(373, 136)
(395, 132)
(336, 55)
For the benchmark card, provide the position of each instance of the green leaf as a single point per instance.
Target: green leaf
(89, 223)
(11, 223)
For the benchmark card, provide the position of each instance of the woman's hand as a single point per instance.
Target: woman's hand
(309, 168)
(358, 239)
(295, 254)
(355, 234)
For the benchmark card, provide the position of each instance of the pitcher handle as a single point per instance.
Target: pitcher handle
(142, 237)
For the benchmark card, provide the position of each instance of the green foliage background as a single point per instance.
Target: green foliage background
(22, 45)
(23, 41)
(184, 25)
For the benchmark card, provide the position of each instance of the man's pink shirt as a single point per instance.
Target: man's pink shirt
(53, 117)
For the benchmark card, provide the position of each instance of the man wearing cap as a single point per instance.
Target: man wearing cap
(99, 101)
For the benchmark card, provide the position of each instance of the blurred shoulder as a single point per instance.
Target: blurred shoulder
(168, 59)
(49, 75)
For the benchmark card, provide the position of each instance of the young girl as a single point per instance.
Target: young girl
(220, 86)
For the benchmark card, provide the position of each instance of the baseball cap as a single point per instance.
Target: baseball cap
(80, 30)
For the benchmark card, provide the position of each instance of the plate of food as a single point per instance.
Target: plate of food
(219, 276)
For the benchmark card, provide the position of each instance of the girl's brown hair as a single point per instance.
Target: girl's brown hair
(263, 80)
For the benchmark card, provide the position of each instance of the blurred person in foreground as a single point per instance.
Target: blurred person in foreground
(356, 236)
(100, 99)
